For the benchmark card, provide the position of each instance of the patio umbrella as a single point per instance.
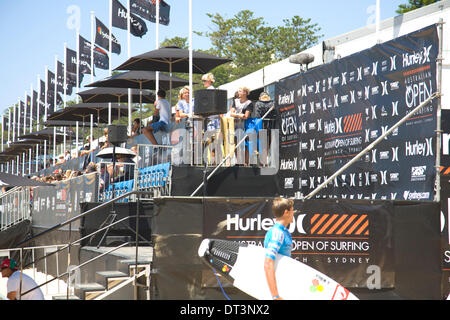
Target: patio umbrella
(139, 80)
(11, 180)
(173, 59)
(107, 153)
(82, 111)
(66, 123)
(45, 134)
(102, 95)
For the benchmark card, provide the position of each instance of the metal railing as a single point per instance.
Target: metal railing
(15, 206)
(70, 243)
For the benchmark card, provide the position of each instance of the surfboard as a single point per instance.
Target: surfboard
(243, 266)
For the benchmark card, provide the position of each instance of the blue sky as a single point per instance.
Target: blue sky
(32, 32)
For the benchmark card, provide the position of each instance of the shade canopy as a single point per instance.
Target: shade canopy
(47, 134)
(173, 59)
(11, 180)
(107, 153)
(82, 112)
(67, 123)
(140, 80)
(102, 95)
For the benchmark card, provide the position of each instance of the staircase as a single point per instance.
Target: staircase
(116, 278)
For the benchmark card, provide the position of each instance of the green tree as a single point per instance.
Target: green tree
(252, 44)
(414, 4)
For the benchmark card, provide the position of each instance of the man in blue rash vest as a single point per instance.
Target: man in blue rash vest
(278, 240)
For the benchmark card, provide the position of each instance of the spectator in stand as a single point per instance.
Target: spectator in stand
(9, 270)
(67, 156)
(183, 107)
(87, 150)
(106, 143)
(262, 107)
(242, 112)
(136, 129)
(227, 125)
(162, 109)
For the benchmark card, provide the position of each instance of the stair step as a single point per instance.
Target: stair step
(89, 291)
(64, 297)
(109, 279)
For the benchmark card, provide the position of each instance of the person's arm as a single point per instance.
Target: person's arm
(269, 270)
(11, 295)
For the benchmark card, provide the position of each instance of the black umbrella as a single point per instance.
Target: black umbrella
(46, 134)
(82, 111)
(173, 59)
(102, 95)
(11, 180)
(140, 80)
(66, 123)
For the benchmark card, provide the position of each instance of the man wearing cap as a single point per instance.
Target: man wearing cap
(278, 240)
(9, 270)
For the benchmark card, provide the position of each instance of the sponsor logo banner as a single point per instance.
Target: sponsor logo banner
(336, 239)
(336, 110)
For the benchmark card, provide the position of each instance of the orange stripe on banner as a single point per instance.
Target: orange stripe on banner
(364, 226)
(346, 123)
(356, 224)
(359, 128)
(328, 224)
(319, 223)
(447, 171)
(314, 218)
(442, 168)
(353, 217)
(337, 224)
(366, 233)
(354, 119)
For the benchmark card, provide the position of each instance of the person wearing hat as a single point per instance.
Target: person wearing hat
(278, 240)
(9, 270)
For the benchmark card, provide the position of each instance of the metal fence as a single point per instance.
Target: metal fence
(15, 206)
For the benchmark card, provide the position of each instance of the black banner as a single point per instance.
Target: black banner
(53, 205)
(119, 20)
(102, 37)
(84, 50)
(101, 59)
(147, 10)
(342, 239)
(331, 113)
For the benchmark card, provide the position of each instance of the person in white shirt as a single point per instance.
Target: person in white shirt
(162, 108)
(9, 270)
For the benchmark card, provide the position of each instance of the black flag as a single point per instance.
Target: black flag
(147, 10)
(85, 55)
(71, 68)
(69, 85)
(102, 38)
(119, 20)
(34, 105)
(101, 59)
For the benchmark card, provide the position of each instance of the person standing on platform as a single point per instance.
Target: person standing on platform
(9, 270)
(184, 105)
(278, 240)
(213, 122)
(241, 113)
(227, 126)
(162, 109)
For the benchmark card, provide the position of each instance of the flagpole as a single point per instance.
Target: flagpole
(191, 94)
(31, 108)
(78, 85)
(9, 127)
(65, 94)
(110, 53)
(45, 113)
(54, 108)
(92, 45)
(377, 20)
(25, 115)
(130, 98)
(157, 41)
(18, 119)
(38, 103)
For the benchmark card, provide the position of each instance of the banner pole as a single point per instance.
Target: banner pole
(157, 40)
(25, 115)
(78, 64)
(372, 145)
(110, 55)
(440, 58)
(65, 94)
(38, 120)
(92, 45)
(130, 98)
(31, 107)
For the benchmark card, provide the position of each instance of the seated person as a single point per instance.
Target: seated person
(162, 108)
(136, 128)
(183, 107)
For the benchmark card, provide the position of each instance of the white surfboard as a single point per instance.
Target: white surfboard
(243, 265)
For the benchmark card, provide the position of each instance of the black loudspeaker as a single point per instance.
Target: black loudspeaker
(117, 134)
(210, 102)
